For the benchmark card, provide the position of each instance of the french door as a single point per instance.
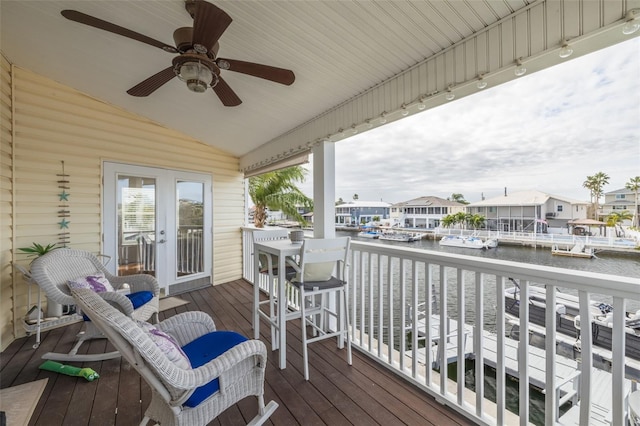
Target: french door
(158, 222)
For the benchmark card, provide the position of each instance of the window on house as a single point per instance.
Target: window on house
(620, 197)
(559, 208)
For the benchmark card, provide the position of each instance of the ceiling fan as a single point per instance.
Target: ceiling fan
(197, 64)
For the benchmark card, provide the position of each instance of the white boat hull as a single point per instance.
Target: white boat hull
(467, 242)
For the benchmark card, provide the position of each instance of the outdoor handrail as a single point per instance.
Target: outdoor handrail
(409, 276)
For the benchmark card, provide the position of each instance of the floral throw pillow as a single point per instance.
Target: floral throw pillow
(97, 283)
(167, 345)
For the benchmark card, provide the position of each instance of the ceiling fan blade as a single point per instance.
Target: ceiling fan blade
(91, 21)
(226, 93)
(278, 75)
(208, 24)
(153, 83)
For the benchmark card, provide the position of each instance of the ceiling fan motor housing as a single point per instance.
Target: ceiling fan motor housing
(183, 38)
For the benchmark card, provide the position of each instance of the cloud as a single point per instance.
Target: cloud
(546, 131)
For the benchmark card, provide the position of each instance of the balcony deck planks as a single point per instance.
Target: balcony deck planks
(336, 394)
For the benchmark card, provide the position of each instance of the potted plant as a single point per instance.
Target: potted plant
(36, 250)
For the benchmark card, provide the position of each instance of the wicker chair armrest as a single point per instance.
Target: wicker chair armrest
(224, 363)
(138, 282)
(119, 301)
(187, 326)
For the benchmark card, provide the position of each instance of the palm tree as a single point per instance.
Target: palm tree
(462, 218)
(634, 185)
(448, 220)
(589, 185)
(477, 221)
(277, 190)
(459, 198)
(595, 185)
(616, 218)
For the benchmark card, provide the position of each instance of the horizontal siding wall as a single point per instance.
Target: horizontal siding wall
(6, 206)
(56, 124)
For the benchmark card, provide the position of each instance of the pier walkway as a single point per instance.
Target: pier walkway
(567, 370)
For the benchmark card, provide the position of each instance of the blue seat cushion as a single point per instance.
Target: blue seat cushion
(204, 349)
(137, 299)
(140, 298)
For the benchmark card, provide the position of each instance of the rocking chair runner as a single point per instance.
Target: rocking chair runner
(54, 270)
(225, 366)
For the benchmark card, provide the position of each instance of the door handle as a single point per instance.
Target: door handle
(162, 241)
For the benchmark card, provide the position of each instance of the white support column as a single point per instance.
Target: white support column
(324, 190)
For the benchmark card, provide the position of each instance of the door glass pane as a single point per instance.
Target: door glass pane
(136, 225)
(190, 241)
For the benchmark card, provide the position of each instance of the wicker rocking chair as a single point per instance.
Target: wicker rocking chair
(53, 271)
(223, 367)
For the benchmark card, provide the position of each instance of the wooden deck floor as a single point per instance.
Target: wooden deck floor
(337, 394)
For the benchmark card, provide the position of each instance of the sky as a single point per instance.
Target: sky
(544, 131)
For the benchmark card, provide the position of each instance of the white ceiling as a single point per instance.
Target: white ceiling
(337, 49)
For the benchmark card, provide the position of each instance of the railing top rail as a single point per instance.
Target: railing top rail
(614, 285)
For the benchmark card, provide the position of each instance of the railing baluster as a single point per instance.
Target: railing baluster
(586, 357)
(477, 343)
(362, 305)
(551, 411)
(523, 353)
(461, 332)
(444, 331)
(427, 324)
(500, 368)
(370, 301)
(403, 312)
(414, 320)
(381, 304)
(617, 361)
(390, 302)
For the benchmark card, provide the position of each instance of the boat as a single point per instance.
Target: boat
(369, 234)
(578, 250)
(406, 237)
(568, 317)
(368, 231)
(467, 242)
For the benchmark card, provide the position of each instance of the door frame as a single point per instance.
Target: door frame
(166, 214)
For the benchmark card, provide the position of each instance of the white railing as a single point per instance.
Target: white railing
(190, 250)
(386, 282)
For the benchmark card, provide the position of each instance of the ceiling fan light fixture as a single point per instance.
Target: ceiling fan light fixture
(197, 76)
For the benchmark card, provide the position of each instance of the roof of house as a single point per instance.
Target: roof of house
(429, 201)
(619, 191)
(358, 203)
(524, 198)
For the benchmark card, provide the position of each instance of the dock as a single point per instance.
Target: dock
(567, 370)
